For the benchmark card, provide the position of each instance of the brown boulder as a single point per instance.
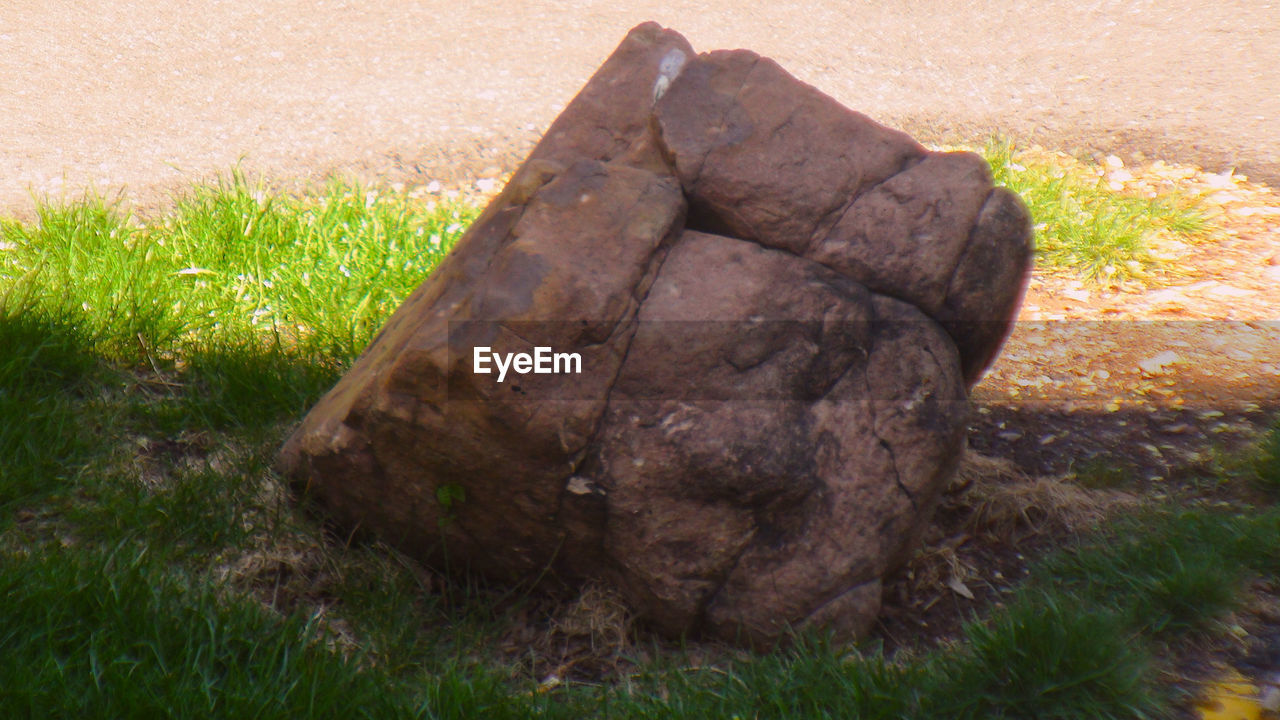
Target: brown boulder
(767, 158)
(760, 395)
(777, 306)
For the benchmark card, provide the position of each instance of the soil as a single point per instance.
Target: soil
(1144, 385)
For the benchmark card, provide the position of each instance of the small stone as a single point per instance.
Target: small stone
(1159, 364)
(1221, 181)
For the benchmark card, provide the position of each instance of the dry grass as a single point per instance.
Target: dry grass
(1005, 502)
(589, 637)
(990, 522)
(598, 616)
(281, 573)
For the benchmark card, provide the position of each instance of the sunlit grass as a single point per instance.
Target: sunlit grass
(230, 264)
(1083, 225)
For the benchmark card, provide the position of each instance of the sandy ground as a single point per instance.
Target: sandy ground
(148, 95)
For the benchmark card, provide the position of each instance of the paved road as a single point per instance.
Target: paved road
(149, 94)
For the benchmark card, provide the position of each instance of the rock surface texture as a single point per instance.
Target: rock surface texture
(779, 307)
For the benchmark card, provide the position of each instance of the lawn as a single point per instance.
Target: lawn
(152, 564)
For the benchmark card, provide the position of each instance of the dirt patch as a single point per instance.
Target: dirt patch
(148, 96)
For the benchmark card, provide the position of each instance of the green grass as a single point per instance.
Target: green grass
(233, 265)
(151, 563)
(1267, 464)
(43, 379)
(1048, 656)
(1101, 473)
(1174, 572)
(1083, 226)
(95, 634)
(1255, 465)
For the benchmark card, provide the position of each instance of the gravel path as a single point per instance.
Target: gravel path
(148, 95)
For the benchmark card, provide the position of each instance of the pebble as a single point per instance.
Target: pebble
(1159, 364)
(1221, 181)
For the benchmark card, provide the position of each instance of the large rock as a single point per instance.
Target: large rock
(779, 306)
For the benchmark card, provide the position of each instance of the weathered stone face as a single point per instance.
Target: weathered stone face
(778, 306)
